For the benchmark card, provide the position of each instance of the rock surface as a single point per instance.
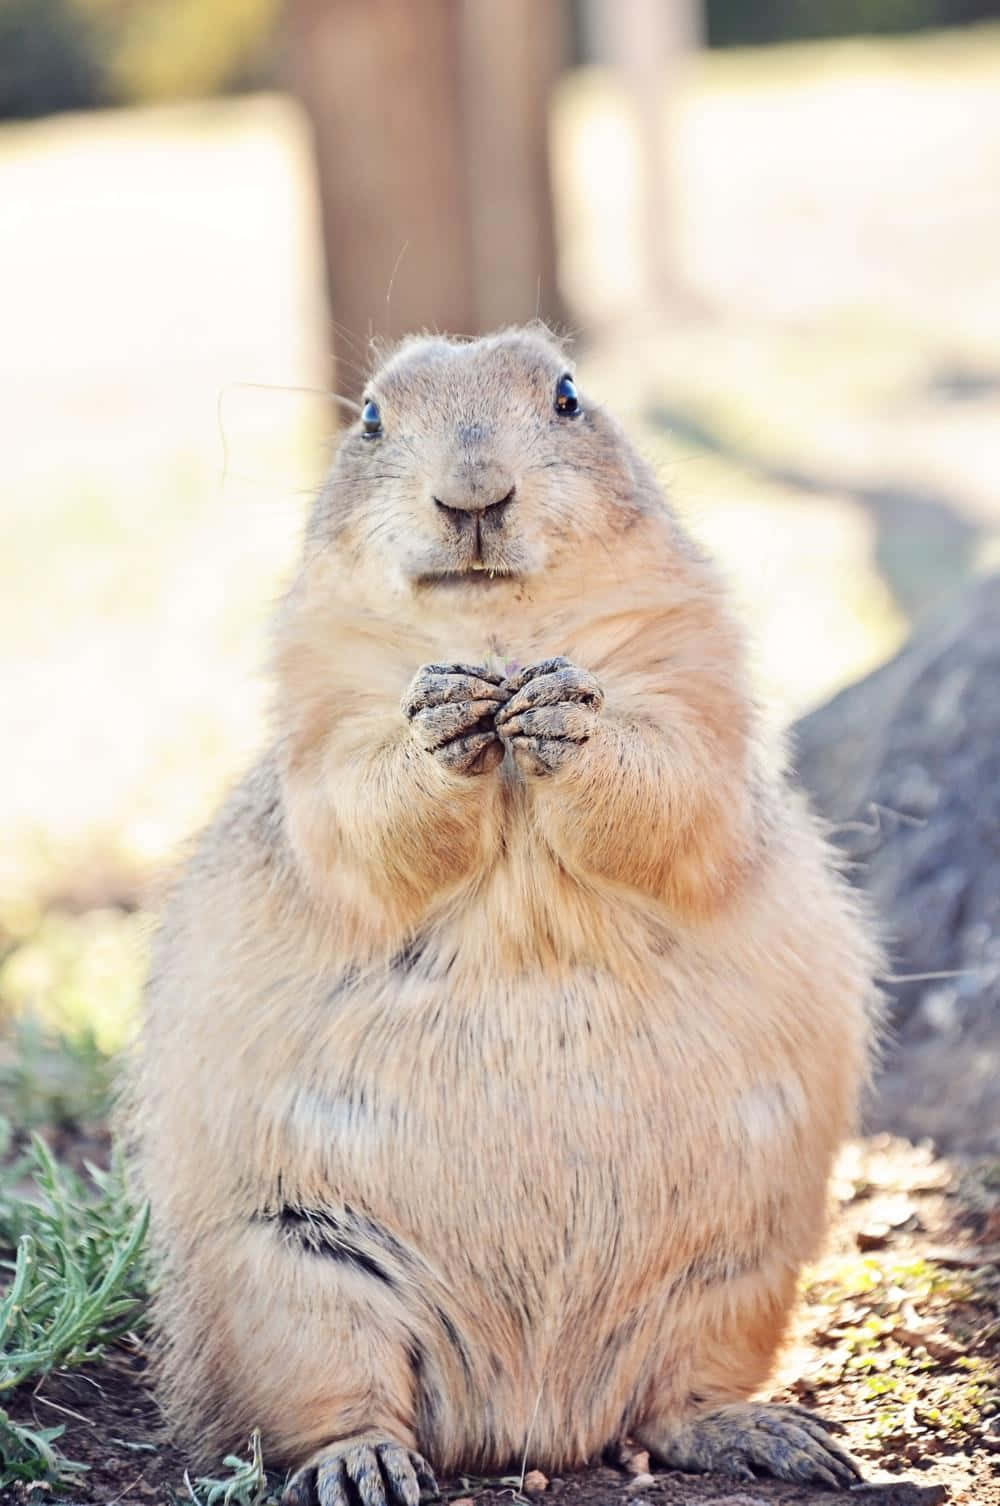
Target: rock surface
(906, 764)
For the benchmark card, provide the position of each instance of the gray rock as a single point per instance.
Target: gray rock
(906, 764)
(898, 1493)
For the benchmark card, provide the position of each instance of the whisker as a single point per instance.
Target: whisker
(395, 268)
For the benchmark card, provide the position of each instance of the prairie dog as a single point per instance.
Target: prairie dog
(504, 1024)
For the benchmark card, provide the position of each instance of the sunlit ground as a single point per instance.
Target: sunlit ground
(823, 400)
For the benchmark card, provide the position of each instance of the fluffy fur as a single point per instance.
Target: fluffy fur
(494, 1108)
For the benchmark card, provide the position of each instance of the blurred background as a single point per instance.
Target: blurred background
(772, 232)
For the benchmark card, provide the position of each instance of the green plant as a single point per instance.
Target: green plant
(48, 1079)
(29, 1454)
(77, 1281)
(245, 1485)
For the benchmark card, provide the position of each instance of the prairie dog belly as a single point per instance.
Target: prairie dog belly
(469, 1125)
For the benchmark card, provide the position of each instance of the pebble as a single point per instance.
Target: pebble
(898, 1493)
(535, 1482)
(874, 1237)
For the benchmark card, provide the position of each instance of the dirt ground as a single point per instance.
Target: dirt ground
(898, 1337)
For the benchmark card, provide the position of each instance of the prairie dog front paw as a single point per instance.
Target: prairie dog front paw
(451, 708)
(549, 710)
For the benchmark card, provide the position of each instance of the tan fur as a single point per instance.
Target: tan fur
(577, 1048)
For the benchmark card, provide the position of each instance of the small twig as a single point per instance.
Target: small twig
(961, 972)
(884, 1404)
(122, 1494)
(874, 828)
(81, 1375)
(527, 1440)
(223, 392)
(68, 1412)
(395, 268)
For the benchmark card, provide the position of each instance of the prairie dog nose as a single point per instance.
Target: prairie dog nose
(477, 487)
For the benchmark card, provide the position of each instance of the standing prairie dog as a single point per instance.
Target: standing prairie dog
(503, 1027)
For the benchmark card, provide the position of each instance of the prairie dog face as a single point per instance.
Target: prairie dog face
(475, 466)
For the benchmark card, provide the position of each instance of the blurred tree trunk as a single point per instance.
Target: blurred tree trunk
(651, 43)
(430, 120)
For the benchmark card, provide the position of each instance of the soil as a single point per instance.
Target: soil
(898, 1337)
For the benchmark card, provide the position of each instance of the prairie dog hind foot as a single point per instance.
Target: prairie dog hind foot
(368, 1468)
(751, 1438)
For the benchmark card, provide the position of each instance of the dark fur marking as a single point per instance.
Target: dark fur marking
(416, 954)
(663, 944)
(318, 1232)
(456, 1341)
(410, 955)
(427, 1398)
(714, 1269)
(378, 1235)
(618, 1340)
(344, 983)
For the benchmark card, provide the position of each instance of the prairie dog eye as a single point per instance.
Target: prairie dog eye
(567, 402)
(371, 420)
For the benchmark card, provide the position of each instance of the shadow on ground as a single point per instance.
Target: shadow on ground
(925, 547)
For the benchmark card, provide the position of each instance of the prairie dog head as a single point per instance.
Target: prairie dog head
(478, 468)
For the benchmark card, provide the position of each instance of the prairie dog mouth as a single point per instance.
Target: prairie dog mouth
(476, 575)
